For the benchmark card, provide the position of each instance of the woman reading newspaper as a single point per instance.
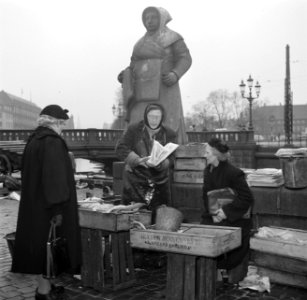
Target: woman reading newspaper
(147, 147)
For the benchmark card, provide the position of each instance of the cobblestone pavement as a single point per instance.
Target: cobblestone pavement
(150, 284)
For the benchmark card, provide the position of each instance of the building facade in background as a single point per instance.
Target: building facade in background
(19, 113)
(269, 121)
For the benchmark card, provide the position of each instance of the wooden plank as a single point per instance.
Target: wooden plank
(267, 200)
(191, 150)
(200, 279)
(278, 262)
(122, 257)
(86, 270)
(115, 259)
(97, 260)
(129, 256)
(190, 164)
(107, 257)
(187, 195)
(209, 268)
(92, 272)
(188, 176)
(189, 277)
(284, 278)
(175, 273)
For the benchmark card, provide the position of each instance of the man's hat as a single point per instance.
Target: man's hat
(55, 111)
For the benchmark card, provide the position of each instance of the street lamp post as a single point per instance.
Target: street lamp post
(250, 97)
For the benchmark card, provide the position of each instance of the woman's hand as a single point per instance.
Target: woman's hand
(220, 216)
(143, 162)
(169, 79)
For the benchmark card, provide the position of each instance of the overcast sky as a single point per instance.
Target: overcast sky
(69, 52)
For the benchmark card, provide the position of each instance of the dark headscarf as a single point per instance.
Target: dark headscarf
(151, 107)
(219, 145)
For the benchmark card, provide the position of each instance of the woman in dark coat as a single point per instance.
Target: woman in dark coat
(145, 185)
(219, 174)
(48, 195)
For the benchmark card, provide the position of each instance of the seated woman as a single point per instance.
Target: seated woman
(221, 174)
(145, 185)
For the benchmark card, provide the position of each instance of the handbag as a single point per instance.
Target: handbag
(220, 197)
(57, 254)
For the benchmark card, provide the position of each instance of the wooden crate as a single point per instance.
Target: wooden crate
(112, 221)
(200, 240)
(284, 262)
(191, 150)
(282, 247)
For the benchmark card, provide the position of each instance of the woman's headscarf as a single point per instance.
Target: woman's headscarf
(151, 107)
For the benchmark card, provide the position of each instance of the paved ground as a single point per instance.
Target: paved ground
(150, 283)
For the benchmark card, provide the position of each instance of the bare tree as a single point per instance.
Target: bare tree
(219, 110)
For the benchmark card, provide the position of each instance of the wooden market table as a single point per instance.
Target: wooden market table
(191, 254)
(106, 252)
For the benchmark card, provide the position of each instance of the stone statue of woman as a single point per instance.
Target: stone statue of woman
(159, 59)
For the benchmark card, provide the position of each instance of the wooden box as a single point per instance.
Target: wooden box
(283, 261)
(289, 248)
(191, 150)
(112, 221)
(192, 239)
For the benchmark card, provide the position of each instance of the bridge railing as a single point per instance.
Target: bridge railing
(108, 137)
(227, 136)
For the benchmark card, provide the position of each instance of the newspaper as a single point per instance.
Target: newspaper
(160, 153)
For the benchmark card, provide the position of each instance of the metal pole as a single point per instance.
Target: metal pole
(250, 99)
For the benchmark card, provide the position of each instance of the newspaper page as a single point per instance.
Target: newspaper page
(160, 153)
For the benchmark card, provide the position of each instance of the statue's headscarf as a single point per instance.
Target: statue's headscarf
(164, 35)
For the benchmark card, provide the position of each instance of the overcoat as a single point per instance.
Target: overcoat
(48, 189)
(137, 179)
(223, 176)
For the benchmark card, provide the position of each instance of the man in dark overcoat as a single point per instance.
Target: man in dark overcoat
(48, 195)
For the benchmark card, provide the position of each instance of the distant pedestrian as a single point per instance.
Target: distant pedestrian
(47, 195)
